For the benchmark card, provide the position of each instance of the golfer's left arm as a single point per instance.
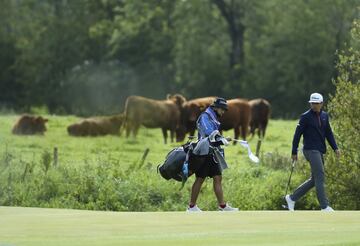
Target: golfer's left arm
(330, 138)
(296, 139)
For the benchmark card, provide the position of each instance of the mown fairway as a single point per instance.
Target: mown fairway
(33, 226)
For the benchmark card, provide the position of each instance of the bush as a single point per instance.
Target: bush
(344, 174)
(108, 185)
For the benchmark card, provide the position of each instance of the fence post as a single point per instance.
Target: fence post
(55, 156)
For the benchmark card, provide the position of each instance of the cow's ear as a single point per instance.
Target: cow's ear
(178, 99)
(46, 120)
(181, 99)
(168, 96)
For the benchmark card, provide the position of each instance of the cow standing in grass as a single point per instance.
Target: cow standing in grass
(30, 125)
(190, 111)
(260, 115)
(237, 117)
(97, 126)
(164, 114)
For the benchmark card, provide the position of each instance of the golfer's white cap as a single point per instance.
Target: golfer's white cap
(316, 98)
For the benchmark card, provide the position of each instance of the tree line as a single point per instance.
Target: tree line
(86, 56)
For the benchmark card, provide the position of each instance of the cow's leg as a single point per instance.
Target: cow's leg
(244, 131)
(172, 134)
(121, 129)
(164, 134)
(252, 131)
(259, 130)
(236, 133)
(135, 130)
(128, 129)
(264, 129)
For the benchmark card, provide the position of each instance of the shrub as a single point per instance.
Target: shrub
(344, 174)
(106, 184)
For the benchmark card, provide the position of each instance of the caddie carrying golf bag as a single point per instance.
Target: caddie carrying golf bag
(194, 154)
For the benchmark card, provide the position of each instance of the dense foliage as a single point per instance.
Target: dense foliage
(87, 56)
(345, 108)
(109, 184)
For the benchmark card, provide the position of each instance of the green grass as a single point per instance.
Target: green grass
(33, 226)
(77, 150)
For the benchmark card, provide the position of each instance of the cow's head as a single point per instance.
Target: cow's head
(117, 119)
(178, 99)
(39, 124)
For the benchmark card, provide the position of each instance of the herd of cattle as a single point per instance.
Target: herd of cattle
(175, 114)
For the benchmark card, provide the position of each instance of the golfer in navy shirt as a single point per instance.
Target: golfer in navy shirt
(314, 126)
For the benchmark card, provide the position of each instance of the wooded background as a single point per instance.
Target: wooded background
(86, 56)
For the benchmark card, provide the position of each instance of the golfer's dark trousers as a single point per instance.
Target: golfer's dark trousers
(317, 179)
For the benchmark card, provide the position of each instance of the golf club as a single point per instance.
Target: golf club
(245, 144)
(288, 183)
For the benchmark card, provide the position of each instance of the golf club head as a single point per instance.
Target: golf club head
(254, 158)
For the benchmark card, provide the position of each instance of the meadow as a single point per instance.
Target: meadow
(78, 150)
(106, 173)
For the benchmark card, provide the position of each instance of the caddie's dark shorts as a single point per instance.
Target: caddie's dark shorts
(204, 166)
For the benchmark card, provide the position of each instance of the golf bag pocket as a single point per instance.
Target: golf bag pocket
(172, 166)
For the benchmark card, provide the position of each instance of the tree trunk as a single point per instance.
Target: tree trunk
(233, 17)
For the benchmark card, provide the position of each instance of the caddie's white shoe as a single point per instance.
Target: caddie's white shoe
(290, 203)
(328, 209)
(193, 209)
(228, 208)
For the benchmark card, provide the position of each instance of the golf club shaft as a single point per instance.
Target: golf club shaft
(233, 139)
(292, 169)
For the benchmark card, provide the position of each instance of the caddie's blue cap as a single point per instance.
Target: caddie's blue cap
(220, 103)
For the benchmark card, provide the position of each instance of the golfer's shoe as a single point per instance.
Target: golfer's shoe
(193, 209)
(228, 208)
(328, 209)
(290, 203)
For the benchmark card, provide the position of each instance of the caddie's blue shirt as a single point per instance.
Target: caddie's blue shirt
(207, 123)
(314, 128)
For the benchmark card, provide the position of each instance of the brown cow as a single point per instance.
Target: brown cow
(261, 110)
(151, 113)
(97, 126)
(237, 116)
(190, 111)
(30, 125)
